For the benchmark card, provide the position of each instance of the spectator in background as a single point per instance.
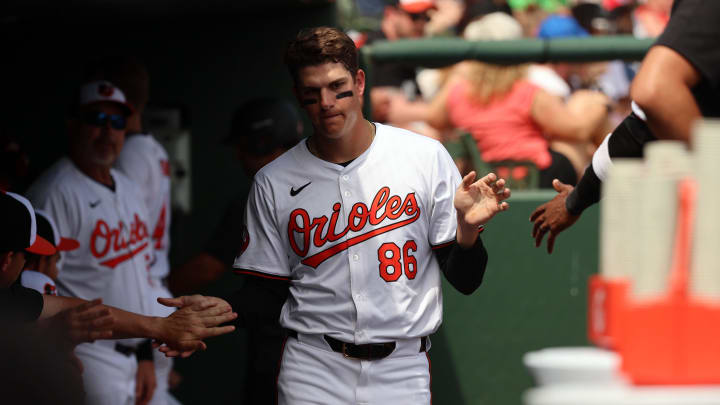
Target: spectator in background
(261, 130)
(510, 118)
(531, 13)
(404, 19)
(651, 17)
(41, 271)
(445, 17)
(475, 9)
(144, 160)
(563, 79)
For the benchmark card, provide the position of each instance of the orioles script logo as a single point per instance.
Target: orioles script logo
(323, 230)
(106, 241)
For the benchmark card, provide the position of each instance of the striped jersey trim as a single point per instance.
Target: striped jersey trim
(260, 274)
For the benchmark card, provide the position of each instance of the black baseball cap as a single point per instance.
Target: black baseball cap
(47, 228)
(267, 124)
(19, 227)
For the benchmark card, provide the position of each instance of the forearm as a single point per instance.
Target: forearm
(131, 325)
(466, 233)
(464, 268)
(125, 324)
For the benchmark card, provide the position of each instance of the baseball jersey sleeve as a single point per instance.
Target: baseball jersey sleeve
(139, 168)
(262, 251)
(445, 180)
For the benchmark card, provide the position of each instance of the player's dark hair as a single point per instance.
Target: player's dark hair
(315, 46)
(32, 261)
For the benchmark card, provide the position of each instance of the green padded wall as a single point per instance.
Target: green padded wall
(529, 300)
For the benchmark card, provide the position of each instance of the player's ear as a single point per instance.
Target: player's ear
(5, 259)
(360, 81)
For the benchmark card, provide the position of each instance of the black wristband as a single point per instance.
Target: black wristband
(585, 193)
(144, 351)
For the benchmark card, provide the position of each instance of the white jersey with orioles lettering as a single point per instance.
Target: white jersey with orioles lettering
(111, 227)
(355, 242)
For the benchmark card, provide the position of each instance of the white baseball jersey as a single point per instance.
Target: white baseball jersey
(145, 161)
(38, 282)
(355, 242)
(112, 229)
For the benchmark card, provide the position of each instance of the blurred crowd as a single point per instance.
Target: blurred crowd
(548, 116)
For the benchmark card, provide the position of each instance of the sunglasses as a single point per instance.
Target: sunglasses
(100, 119)
(419, 17)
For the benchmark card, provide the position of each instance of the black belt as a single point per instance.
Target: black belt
(126, 350)
(369, 351)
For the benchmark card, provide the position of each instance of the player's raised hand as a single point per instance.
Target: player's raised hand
(197, 318)
(553, 216)
(478, 201)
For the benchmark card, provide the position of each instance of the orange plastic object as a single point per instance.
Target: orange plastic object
(671, 340)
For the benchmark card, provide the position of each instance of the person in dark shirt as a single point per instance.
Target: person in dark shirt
(678, 83)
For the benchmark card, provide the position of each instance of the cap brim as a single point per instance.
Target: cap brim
(419, 7)
(67, 244)
(41, 247)
(127, 108)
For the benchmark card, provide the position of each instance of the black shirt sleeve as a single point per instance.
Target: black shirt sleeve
(694, 31)
(259, 301)
(20, 304)
(463, 268)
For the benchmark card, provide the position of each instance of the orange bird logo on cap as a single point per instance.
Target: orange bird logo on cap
(105, 90)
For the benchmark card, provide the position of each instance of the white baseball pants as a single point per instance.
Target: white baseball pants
(311, 373)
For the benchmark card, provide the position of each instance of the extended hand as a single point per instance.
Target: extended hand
(552, 216)
(196, 319)
(476, 203)
(83, 323)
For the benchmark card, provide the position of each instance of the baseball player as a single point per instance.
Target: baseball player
(105, 212)
(41, 271)
(358, 221)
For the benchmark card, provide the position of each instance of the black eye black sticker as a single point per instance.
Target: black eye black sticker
(308, 101)
(344, 94)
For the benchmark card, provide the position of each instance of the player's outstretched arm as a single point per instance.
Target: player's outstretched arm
(182, 332)
(476, 203)
(553, 217)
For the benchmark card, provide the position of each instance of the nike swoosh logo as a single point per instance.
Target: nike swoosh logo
(294, 192)
(95, 204)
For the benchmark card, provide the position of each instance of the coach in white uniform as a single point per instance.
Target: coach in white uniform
(104, 211)
(359, 220)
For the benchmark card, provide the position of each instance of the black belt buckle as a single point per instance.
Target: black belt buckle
(370, 351)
